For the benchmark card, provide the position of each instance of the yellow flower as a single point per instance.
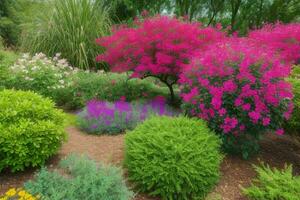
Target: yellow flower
(11, 192)
(22, 193)
(27, 196)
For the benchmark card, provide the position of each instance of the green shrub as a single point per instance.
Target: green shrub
(293, 124)
(69, 27)
(107, 87)
(31, 129)
(274, 184)
(1, 43)
(7, 58)
(85, 180)
(175, 158)
(46, 76)
(12, 14)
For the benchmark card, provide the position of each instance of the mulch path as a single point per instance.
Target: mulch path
(275, 151)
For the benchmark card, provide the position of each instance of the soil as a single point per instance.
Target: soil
(236, 173)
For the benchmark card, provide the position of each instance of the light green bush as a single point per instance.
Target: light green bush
(69, 27)
(31, 129)
(274, 184)
(85, 180)
(292, 126)
(175, 158)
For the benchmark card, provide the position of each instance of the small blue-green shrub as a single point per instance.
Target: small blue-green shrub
(84, 179)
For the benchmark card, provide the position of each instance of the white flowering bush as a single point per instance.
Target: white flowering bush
(39, 73)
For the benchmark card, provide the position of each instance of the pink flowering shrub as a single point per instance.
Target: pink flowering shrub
(159, 47)
(284, 38)
(240, 90)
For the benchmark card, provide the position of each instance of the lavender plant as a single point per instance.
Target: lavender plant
(99, 117)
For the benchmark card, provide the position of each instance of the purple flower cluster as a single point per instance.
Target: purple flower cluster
(105, 117)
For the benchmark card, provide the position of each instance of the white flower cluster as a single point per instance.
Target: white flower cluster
(32, 68)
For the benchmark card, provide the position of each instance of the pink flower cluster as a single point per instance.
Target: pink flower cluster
(238, 86)
(155, 46)
(285, 39)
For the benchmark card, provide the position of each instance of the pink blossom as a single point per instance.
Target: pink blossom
(283, 38)
(222, 111)
(238, 102)
(216, 103)
(229, 86)
(246, 106)
(254, 116)
(122, 98)
(279, 131)
(188, 97)
(266, 121)
(242, 127)
(244, 77)
(229, 124)
(159, 46)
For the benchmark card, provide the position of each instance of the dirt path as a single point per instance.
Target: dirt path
(109, 149)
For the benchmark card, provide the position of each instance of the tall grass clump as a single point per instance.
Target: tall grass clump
(69, 27)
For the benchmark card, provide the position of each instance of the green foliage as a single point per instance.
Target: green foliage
(46, 76)
(245, 145)
(175, 158)
(119, 11)
(293, 124)
(12, 14)
(69, 27)
(241, 15)
(7, 58)
(108, 87)
(274, 184)
(8, 24)
(1, 43)
(85, 180)
(31, 129)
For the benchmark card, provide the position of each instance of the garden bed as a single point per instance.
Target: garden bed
(275, 151)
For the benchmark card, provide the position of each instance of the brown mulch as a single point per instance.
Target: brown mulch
(275, 151)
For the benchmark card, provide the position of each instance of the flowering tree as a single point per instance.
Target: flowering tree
(284, 38)
(240, 90)
(159, 47)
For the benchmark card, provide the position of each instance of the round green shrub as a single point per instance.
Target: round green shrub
(175, 158)
(31, 129)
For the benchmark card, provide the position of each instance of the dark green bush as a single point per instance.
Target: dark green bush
(13, 13)
(85, 180)
(107, 87)
(274, 184)
(175, 158)
(31, 129)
